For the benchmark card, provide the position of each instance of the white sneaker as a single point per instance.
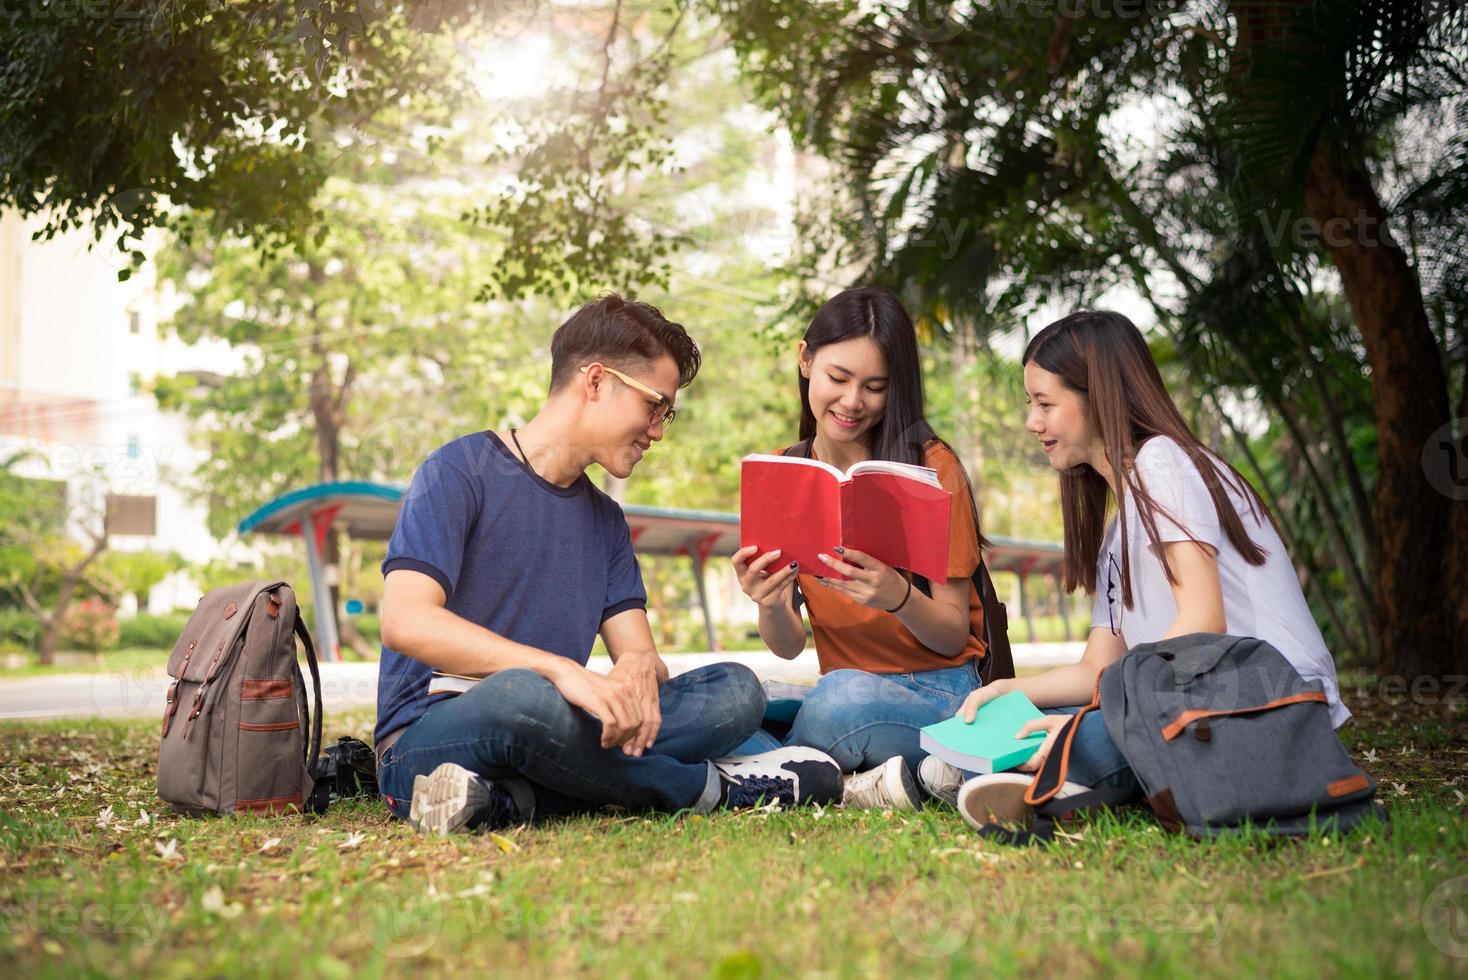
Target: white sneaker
(451, 798)
(940, 779)
(889, 786)
(790, 776)
(1000, 798)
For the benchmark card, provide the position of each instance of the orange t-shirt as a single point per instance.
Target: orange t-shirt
(848, 634)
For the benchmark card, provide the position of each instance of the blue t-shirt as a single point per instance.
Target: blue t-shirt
(536, 563)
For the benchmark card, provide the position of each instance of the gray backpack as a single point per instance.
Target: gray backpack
(1223, 734)
(234, 726)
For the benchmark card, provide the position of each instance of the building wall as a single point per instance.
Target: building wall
(75, 344)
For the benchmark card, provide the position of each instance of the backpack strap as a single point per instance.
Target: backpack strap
(1052, 813)
(313, 746)
(1050, 809)
(998, 661)
(1051, 777)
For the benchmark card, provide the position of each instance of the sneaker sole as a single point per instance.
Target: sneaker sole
(1000, 798)
(995, 799)
(447, 799)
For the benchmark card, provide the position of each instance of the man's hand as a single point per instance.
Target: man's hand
(611, 700)
(642, 672)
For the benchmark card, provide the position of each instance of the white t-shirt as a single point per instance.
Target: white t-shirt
(1262, 601)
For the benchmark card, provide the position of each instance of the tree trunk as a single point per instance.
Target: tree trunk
(1420, 595)
(70, 579)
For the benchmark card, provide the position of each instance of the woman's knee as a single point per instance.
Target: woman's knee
(833, 704)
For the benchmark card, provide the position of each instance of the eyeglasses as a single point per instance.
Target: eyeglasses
(663, 412)
(1114, 610)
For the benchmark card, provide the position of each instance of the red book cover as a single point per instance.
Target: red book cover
(894, 512)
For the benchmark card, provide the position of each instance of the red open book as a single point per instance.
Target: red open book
(894, 512)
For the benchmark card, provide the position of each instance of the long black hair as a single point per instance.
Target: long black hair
(903, 433)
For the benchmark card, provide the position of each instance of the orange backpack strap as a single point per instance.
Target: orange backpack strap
(1051, 777)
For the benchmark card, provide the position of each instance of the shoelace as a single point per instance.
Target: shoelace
(748, 790)
(866, 789)
(949, 778)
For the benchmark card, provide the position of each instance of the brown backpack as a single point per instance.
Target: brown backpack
(234, 728)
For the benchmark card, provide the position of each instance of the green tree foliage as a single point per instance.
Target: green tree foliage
(137, 114)
(42, 564)
(1229, 162)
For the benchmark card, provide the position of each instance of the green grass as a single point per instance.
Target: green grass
(732, 895)
(130, 660)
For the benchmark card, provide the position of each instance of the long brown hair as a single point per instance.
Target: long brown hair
(1103, 357)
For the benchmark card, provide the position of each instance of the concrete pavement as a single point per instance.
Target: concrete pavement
(141, 693)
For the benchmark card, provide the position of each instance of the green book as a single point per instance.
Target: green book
(987, 745)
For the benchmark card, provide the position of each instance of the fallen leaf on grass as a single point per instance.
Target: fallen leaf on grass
(268, 845)
(503, 842)
(213, 902)
(352, 841)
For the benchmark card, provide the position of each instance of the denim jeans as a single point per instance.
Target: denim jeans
(517, 724)
(863, 719)
(1095, 760)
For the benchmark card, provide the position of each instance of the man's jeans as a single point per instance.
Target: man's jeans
(517, 724)
(863, 719)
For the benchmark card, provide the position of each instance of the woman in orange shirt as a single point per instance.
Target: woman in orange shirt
(892, 658)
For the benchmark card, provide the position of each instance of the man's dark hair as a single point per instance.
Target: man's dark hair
(622, 334)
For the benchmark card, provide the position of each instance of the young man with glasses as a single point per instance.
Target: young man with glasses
(505, 563)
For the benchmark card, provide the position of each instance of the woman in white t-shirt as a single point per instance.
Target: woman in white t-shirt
(1191, 548)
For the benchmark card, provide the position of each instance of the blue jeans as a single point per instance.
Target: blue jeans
(862, 719)
(517, 724)
(1094, 758)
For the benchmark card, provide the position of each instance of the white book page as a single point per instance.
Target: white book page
(796, 460)
(923, 473)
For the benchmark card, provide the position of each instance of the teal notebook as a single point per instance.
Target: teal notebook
(988, 745)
